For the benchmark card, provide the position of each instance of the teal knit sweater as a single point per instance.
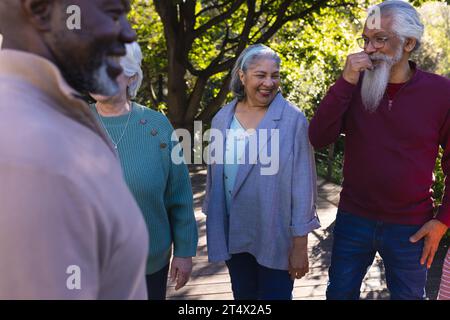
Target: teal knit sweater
(161, 188)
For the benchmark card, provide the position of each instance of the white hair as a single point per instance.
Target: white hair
(131, 64)
(247, 58)
(406, 20)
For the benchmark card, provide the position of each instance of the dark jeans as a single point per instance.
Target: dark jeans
(251, 281)
(157, 284)
(356, 241)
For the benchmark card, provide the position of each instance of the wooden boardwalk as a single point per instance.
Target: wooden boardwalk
(212, 282)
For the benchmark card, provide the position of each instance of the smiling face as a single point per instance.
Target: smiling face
(386, 49)
(89, 57)
(391, 43)
(261, 81)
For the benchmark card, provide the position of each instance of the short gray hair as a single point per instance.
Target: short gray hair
(131, 64)
(406, 19)
(247, 58)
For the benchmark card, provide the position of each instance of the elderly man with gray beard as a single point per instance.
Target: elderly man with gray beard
(394, 117)
(69, 226)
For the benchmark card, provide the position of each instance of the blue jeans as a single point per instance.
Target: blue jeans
(252, 281)
(357, 240)
(157, 284)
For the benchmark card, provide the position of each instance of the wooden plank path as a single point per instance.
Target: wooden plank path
(212, 282)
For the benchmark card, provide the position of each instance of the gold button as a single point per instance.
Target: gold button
(163, 145)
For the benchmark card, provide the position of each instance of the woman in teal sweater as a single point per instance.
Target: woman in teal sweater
(162, 189)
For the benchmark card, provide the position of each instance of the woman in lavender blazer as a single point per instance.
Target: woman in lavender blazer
(261, 184)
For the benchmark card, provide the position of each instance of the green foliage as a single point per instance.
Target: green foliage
(434, 55)
(313, 54)
(337, 162)
(207, 50)
(418, 3)
(150, 32)
(438, 186)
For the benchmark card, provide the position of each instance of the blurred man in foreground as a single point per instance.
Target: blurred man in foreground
(69, 227)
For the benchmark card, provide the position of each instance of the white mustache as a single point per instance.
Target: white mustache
(379, 57)
(376, 57)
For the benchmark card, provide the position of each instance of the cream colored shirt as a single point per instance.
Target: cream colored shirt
(69, 227)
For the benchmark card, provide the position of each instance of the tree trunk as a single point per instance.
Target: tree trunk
(176, 87)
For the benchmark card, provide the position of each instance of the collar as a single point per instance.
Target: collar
(45, 76)
(37, 71)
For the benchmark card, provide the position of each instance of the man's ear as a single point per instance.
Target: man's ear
(410, 44)
(38, 13)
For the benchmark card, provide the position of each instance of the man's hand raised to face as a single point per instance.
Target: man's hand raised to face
(355, 64)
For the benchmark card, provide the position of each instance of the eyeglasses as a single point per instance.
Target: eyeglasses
(377, 42)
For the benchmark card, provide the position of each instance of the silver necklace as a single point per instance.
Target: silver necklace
(123, 132)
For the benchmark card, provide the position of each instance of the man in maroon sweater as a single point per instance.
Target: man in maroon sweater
(394, 117)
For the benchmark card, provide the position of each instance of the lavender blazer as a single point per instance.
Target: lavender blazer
(266, 210)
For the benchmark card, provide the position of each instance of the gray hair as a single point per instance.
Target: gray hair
(131, 64)
(247, 58)
(406, 20)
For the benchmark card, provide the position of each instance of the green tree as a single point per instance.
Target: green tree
(434, 55)
(190, 46)
(150, 32)
(314, 53)
(203, 38)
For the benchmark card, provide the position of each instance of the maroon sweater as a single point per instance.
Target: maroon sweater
(390, 154)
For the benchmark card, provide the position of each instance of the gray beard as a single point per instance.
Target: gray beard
(103, 84)
(375, 81)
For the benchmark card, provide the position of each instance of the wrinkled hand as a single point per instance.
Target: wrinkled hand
(355, 64)
(432, 231)
(180, 271)
(298, 258)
